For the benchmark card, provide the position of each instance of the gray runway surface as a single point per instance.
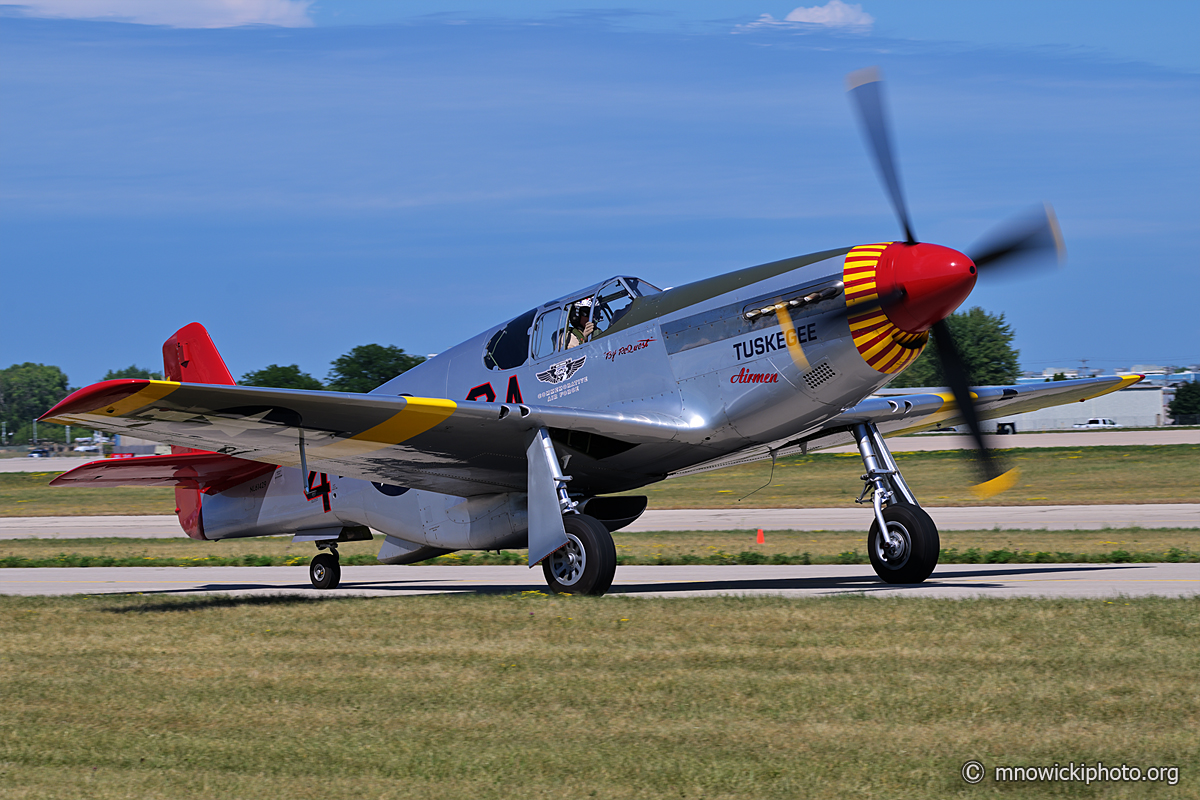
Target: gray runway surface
(1179, 515)
(950, 581)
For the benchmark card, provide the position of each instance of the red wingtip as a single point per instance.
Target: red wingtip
(98, 395)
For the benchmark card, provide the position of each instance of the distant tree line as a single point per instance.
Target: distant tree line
(1185, 408)
(132, 371)
(26, 392)
(985, 342)
(361, 370)
(29, 390)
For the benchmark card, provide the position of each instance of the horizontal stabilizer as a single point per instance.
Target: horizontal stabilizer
(208, 472)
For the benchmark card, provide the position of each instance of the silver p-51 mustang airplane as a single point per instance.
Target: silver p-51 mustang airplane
(604, 390)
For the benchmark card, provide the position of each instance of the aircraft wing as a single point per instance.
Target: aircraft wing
(900, 414)
(463, 448)
(990, 402)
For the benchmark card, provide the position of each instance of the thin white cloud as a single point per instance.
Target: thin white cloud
(834, 14)
(178, 13)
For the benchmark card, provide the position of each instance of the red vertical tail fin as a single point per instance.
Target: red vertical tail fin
(190, 356)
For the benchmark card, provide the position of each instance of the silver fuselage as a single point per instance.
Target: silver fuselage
(688, 353)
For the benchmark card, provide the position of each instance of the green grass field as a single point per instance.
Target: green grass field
(1049, 476)
(28, 494)
(656, 547)
(537, 697)
(534, 696)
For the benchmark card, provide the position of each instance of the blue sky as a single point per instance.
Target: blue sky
(338, 173)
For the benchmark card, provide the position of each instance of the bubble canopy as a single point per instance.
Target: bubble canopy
(593, 309)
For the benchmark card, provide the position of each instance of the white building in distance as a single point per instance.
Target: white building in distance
(1139, 406)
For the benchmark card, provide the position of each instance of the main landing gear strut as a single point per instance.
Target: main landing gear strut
(576, 551)
(903, 543)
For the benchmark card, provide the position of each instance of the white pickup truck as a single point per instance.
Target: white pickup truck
(1097, 422)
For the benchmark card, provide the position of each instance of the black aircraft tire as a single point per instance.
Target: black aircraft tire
(325, 571)
(590, 539)
(921, 545)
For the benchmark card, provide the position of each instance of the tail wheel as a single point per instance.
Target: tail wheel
(325, 571)
(587, 563)
(909, 552)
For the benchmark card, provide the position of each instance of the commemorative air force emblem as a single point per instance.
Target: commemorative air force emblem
(561, 371)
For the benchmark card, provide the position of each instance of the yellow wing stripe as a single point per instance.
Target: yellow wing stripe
(419, 415)
(1126, 380)
(156, 391)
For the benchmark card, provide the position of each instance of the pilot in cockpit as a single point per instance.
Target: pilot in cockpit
(579, 325)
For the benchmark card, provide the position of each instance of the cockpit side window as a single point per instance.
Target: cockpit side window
(547, 333)
(509, 347)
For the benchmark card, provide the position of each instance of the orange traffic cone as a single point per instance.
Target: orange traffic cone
(761, 539)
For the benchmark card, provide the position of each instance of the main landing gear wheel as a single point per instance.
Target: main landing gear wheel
(325, 571)
(588, 562)
(909, 552)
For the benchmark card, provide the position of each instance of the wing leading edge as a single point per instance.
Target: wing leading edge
(896, 415)
(463, 448)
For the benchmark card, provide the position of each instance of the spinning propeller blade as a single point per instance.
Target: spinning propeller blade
(866, 87)
(1021, 239)
(995, 477)
(1009, 245)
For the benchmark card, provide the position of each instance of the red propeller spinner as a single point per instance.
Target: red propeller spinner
(928, 281)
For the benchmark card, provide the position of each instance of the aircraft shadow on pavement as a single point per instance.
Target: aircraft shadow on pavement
(286, 592)
(865, 582)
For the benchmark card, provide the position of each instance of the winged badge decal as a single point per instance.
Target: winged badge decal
(561, 371)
